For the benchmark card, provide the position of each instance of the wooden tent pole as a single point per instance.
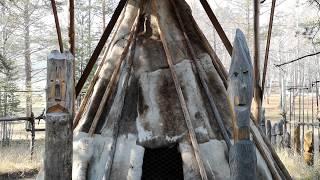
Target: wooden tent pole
(184, 108)
(262, 149)
(112, 82)
(266, 58)
(100, 46)
(71, 29)
(89, 92)
(56, 19)
(272, 151)
(257, 88)
(92, 84)
(202, 79)
(217, 26)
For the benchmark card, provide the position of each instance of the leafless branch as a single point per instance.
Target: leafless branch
(302, 57)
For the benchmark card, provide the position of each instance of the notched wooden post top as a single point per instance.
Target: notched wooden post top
(59, 82)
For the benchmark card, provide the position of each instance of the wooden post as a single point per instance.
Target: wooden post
(32, 135)
(296, 139)
(273, 134)
(60, 99)
(242, 155)
(268, 130)
(257, 86)
(263, 121)
(290, 111)
(279, 133)
(303, 89)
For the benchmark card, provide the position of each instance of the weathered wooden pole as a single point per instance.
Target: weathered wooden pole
(312, 111)
(257, 87)
(217, 26)
(181, 98)
(290, 110)
(72, 40)
(266, 57)
(202, 78)
(242, 155)
(303, 124)
(296, 139)
(56, 19)
(32, 135)
(263, 121)
(71, 29)
(268, 130)
(279, 133)
(273, 134)
(60, 99)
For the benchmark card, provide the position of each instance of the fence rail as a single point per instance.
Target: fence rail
(31, 129)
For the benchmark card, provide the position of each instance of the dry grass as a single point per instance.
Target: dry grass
(16, 157)
(296, 166)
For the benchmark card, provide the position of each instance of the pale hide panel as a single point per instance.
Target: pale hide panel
(160, 120)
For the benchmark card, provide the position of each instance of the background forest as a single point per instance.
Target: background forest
(28, 34)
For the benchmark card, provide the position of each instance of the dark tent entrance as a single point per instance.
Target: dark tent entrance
(162, 164)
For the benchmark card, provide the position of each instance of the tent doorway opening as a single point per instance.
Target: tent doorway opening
(162, 164)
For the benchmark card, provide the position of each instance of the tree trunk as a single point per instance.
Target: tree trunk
(27, 58)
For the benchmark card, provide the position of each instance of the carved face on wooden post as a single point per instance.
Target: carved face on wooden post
(241, 73)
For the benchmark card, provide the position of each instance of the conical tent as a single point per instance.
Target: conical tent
(158, 106)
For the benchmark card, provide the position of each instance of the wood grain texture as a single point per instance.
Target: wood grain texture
(58, 147)
(60, 84)
(60, 103)
(243, 161)
(240, 88)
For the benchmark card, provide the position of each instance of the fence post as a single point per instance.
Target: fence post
(32, 135)
(60, 99)
(296, 139)
(268, 130)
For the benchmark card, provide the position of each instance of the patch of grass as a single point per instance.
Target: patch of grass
(16, 158)
(296, 166)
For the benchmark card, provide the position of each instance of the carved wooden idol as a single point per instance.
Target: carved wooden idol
(242, 155)
(59, 83)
